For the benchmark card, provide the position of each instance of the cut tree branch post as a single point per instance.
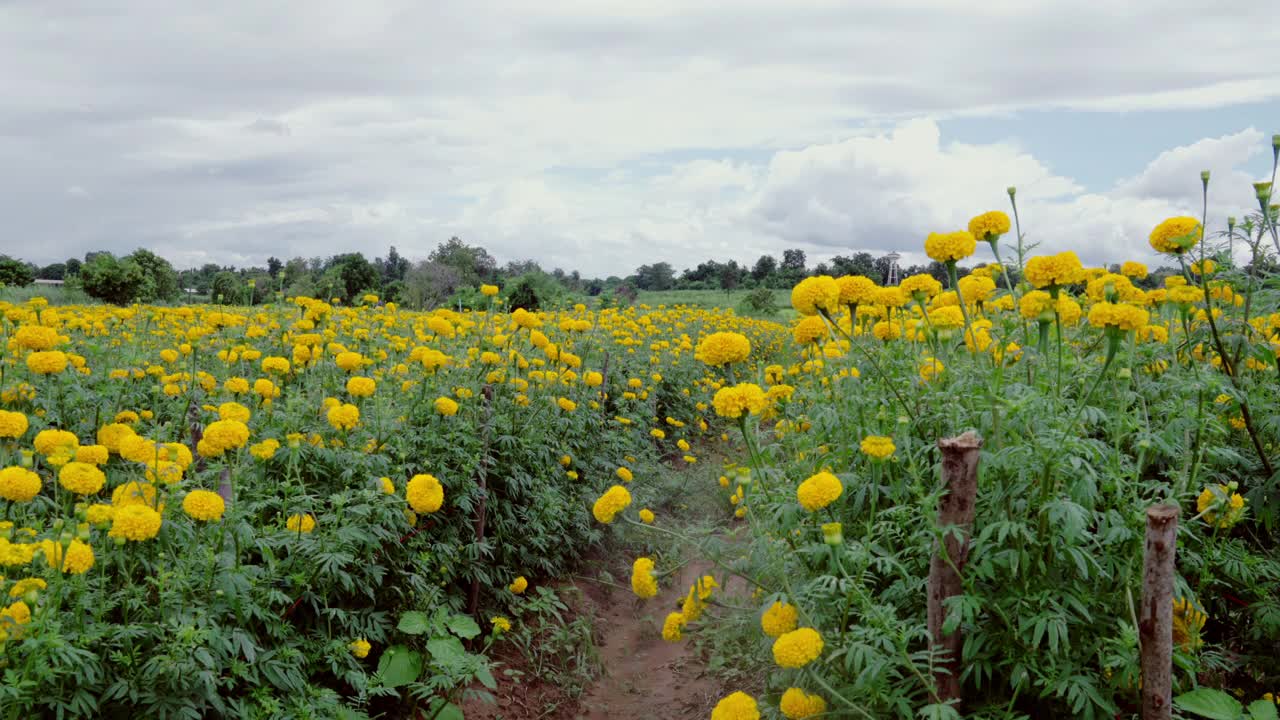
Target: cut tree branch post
(955, 518)
(1155, 619)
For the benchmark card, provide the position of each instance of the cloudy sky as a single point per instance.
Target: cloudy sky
(602, 134)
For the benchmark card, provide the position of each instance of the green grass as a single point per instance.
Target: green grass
(717, 299)
(55, 294)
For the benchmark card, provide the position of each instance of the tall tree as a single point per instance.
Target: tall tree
(764, 268)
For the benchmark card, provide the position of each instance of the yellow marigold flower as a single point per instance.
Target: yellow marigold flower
(37, 337)
(930, 368)
(809, 330)
(424, 493)
(233, 411)
(489, 290)
(672, 626)
(1122, 316)
(349, 360)
(1133, 269)
(1035, 304)
(221, 436)
(343, 417)
(738, 706)
(1188, 622)
(813, 295)
(135, 522)
(949, 247)
(658, 433)
(500, 624)
(878, 446)
(779, 619)
(359, 386)
(446, 406)
(977, 288)
(624, 474)
(55, 442)
(646, 516)
(519, 585)
(593, 379)
(1045, 271)
(93, 454)
(277, 365)
(78, 558)
(1220, 505)
(613, 501)
(920, 287)
(989, 226)
(733, 402)
(797, 648)
(81, 478)
(566, 404)
(797, 704)
(47, 362)
(300, 523)
(643, 582)
(359, 648)
(857, 290)
(886, 331)
(946, 318)
(819, 491)
(236, 385)
(133, 493)
(1176, 235)
(723, 348)
(12, 424)
(265, 450)
(26, 585)
(204, 505)
(18, 484)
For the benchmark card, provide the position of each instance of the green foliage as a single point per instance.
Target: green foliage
(116, 281)
(15, 273)
(760, 301)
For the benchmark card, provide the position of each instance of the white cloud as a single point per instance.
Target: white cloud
(889, 191)
(596, 134)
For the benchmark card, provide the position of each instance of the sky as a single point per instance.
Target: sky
(599, 135)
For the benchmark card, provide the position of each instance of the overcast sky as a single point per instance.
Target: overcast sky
(602, 134)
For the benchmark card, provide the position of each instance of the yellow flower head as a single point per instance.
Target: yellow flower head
(136, 522)
(643, 582)
(613, 501)
(204, 505)
(797, 648)
(812, 295)
(989, 226)
(797, 704)
(737, 706)
(878, 446)
(1176, 235)
(722, 348)
(1045, 271)
(950, 247)
(424, 493)
(819, 491)
(780, 618)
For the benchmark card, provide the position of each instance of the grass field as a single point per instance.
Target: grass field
(716, 298)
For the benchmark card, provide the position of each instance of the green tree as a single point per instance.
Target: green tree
(15, 272)
(112, 280)
(658, 276)
(354, 275)
(162, 281)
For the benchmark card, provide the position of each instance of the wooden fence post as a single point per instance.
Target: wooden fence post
(955, 516)
(1155, 619)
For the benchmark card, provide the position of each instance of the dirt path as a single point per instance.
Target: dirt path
(644, 676)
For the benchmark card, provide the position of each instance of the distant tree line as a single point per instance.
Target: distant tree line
(450, 275)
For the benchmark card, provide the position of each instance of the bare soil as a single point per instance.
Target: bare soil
(644, 677)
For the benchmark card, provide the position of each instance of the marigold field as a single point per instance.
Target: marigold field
(305, 509)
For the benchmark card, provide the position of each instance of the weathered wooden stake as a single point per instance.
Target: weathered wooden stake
(955, 516)
(1155, 619)
(482, 479)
